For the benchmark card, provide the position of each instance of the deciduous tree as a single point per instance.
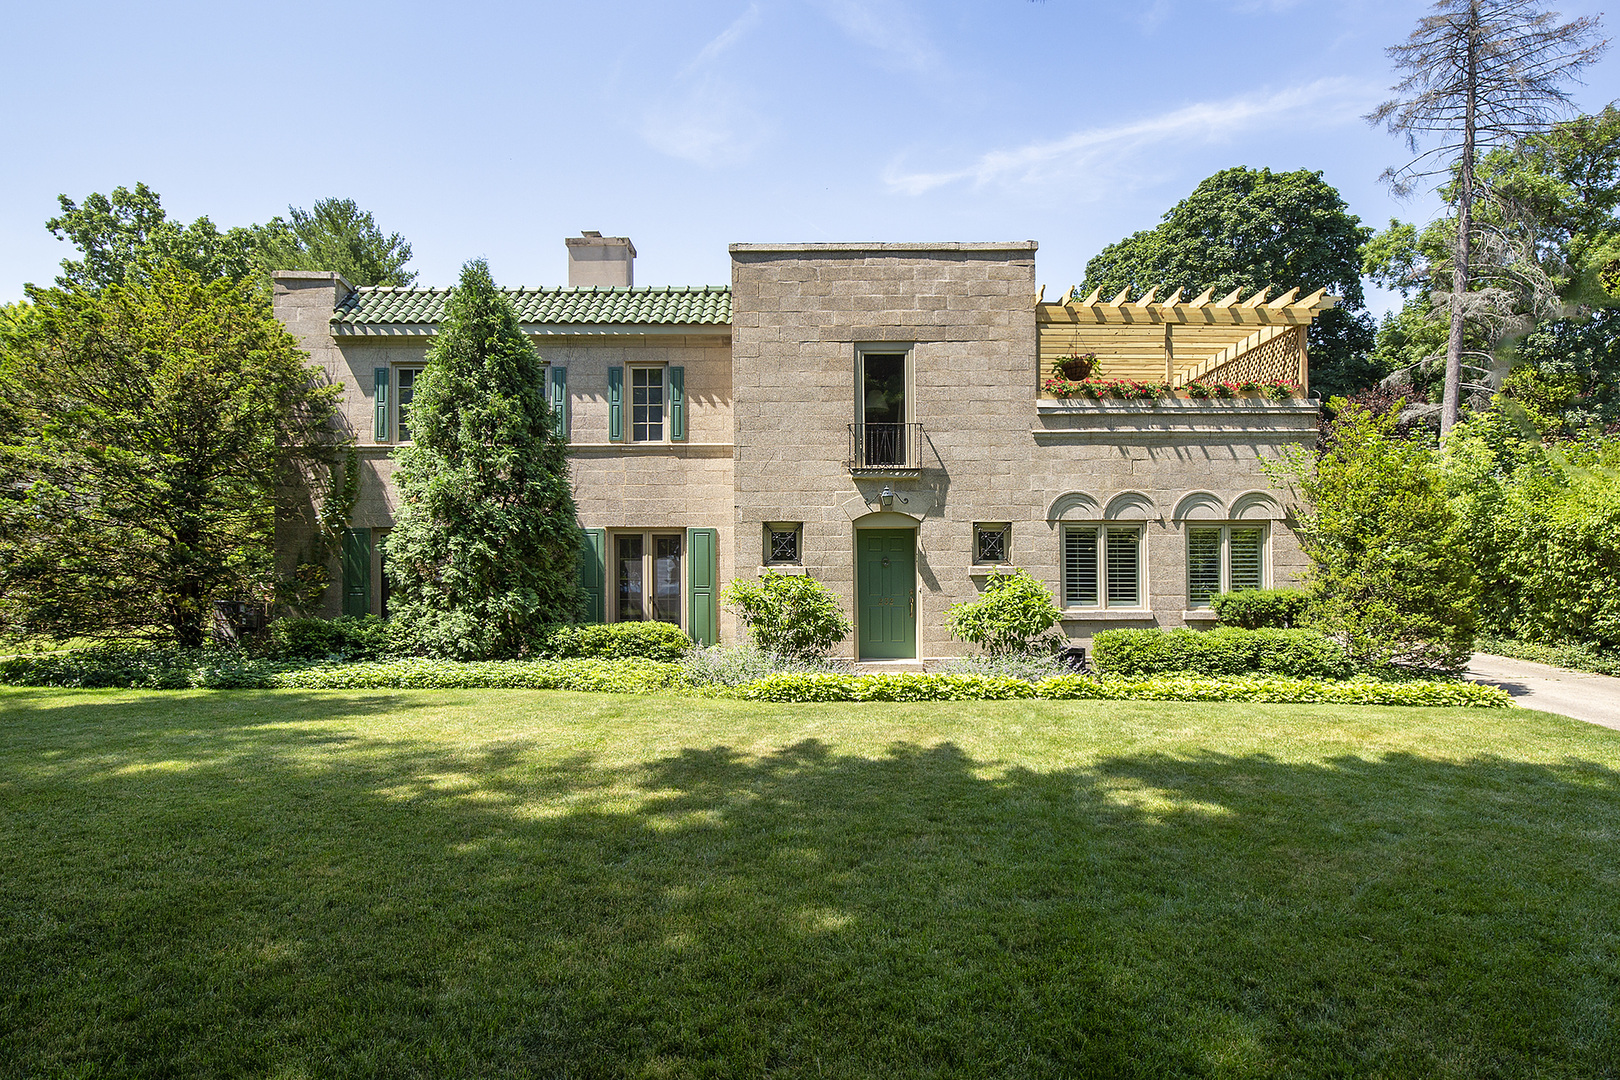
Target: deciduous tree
(148, 419)
(1251, 228)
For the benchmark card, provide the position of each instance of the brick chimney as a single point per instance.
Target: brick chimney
(594, 259)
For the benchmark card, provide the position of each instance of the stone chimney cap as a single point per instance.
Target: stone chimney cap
(592, 238)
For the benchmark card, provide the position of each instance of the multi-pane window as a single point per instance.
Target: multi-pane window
(647, 404)
(782, 542)
(648, 570)
(991, 541)
(1102, 566)
(407, 391)
(1224, 558)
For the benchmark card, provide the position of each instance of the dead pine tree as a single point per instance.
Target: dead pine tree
(1478, 74)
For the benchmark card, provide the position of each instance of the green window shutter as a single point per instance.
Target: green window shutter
(703, 588)
(593, 574)
(615, 404)
(380, 396)
(557, 397)
(356, 571)
(677, 404)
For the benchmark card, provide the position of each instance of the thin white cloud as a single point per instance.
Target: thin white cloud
(706, 118)
(887, 26)
(1095, 150)
(724, 40)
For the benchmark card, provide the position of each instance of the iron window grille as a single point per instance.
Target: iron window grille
(782, 542)
(991, 542)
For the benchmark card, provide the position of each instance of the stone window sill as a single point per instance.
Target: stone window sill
(1108, 614)
(791, 569)
(986, 569)
(1200, 615)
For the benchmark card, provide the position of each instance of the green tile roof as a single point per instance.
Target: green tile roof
(664, 304)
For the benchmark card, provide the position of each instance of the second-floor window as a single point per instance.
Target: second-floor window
(406, 378)
(647, 404)
(885, 410)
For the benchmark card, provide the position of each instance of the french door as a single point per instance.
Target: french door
(648, 565)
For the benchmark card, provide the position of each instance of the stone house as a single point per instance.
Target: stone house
(870, 414)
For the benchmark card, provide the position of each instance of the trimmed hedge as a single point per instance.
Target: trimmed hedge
(614, 641)
(1222, 651)
(1277, 689)
(623, 676)
(804, 688)
(349, 638)
(889, 687)
(140, 668)
(1261, 609)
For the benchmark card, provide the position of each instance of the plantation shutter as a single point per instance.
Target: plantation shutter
(1080, 568)
(615, 404)
(677, 404)
(1124, 568)
(557, 397)
(379, 395)
(1203, 566)
(702, 575)
(1247, 545)
(356, 571)
(593, 574)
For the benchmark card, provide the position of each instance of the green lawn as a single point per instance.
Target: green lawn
(447, 883)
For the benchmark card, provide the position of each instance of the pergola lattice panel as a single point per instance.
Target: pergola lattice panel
(1178, 342)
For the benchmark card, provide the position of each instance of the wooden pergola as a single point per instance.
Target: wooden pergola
(1180, 341)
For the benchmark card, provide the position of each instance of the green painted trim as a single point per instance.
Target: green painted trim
(593, 574)
(677, 403)
(703, 585)
(381, 378)
(356, 571)
(557, 397)
(615, 404)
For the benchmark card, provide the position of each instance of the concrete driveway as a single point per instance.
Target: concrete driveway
(1593, 698)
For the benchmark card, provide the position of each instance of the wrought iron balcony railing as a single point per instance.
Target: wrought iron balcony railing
(884, 447)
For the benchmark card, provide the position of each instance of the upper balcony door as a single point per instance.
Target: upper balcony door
(884, 415)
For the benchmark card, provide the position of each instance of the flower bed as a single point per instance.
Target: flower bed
(1134, 390)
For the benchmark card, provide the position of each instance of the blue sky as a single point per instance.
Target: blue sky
(496, 130)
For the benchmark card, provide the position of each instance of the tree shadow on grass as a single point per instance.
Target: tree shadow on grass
(261, 899)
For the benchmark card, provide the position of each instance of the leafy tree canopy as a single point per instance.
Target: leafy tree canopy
(147, 423)
(127, 236)
(337, 235)
(484, 546)
(1249, 228)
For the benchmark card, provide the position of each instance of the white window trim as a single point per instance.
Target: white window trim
(1142, 577)
(1226, 528)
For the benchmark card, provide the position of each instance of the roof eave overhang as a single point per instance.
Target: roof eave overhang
(425, 330)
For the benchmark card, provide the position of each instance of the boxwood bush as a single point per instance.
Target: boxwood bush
(1261, 609)
(614, 641)
(1222, 651)
(348, 638)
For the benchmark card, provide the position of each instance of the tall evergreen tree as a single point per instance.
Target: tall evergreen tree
(335, 234)
(1479, 74)
(484, 547)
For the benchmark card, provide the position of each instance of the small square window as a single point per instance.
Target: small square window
(782, 541)
(991, 541)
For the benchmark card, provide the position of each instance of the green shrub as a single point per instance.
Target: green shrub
(1222, 651)
(898, 687)
(1575, 657)
(791, 615)
(1012, 615)
(1276, 689)
(633, 676)
(1261, 609)
(348, 638)
(614, 641)
(140, 668)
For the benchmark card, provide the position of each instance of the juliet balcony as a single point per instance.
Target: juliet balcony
(884, 449)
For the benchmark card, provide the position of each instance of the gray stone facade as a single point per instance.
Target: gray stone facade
(774, 407)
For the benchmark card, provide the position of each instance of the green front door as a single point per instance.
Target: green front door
(886, 593)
